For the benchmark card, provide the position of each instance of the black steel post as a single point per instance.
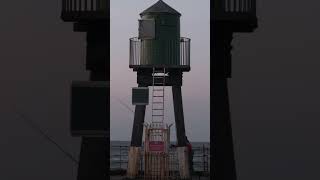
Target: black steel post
(179, 117)
(95, 151)
(222, 154)
(137, 130)
(94, 158)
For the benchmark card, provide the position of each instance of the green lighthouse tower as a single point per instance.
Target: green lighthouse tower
(160, 56)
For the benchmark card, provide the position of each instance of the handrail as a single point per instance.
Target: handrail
(84, 5)
(235, 6)
(85, 10)
(137, 51)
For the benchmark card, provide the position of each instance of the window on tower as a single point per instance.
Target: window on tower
(146, 29)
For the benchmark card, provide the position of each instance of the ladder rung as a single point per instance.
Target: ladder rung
(157, 109)
(157, 96)
(157, 102)
(158, 90)
(157, 115)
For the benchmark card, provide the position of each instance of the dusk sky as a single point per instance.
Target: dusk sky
(195, 24)
(274, 92)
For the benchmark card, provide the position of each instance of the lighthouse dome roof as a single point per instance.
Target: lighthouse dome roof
(160, 7)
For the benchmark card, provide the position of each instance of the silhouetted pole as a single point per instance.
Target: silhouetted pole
(223, 166)
(93, 18)
(228, 17)
(93, 159)
(95, 151)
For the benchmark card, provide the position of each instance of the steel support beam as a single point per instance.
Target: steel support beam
(94, 158)
(136, 141)
(95, 151)
(179, 117)
(137, 129)
(222, 153)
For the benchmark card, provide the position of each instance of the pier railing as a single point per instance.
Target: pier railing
(84, 10)
(201, 159)
(173, 56)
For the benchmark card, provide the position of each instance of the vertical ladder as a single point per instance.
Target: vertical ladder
(158, 85)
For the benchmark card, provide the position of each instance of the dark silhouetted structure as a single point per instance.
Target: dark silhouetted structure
(90, 117)
(229, 17)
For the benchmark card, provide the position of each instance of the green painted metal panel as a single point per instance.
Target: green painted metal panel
(147, 29)
(140, 96)
(164, 48)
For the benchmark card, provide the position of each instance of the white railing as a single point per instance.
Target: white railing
(235, 7)
(84, 5)
(75, 10)
(135, 52)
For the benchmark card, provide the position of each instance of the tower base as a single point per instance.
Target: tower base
(184, 166)
(134, 162)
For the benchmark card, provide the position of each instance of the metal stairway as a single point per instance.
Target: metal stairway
(158, 85)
